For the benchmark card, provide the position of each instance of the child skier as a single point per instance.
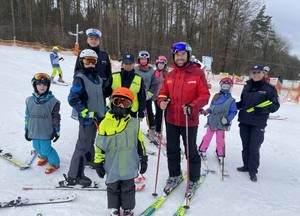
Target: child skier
(160, 74)
(42, 121)
(86, 99)
(54, 59)
(221, 112)
(120, 147)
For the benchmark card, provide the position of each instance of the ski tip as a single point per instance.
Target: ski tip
(27, 188)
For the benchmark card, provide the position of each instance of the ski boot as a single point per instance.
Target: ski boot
(60, 80)
(172, 182)
(114, 212)
(42, 161)
(50, 169)
(128, 212)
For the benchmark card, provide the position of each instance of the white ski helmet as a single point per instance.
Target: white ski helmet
(88, 53)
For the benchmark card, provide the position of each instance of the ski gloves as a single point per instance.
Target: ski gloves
(26, 136)
(91, 115)
(205, 112)
(100, 169)
(144, 164)
(55, 136)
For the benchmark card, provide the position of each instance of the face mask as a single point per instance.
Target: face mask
(90, 70)
(120, 112)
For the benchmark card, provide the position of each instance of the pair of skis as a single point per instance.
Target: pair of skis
(209, 168)
(63, 185)
(9, 157)
(20, 201)
(162, 199)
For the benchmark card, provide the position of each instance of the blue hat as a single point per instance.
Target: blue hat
(128, 58)
(92, 32)
(257, 68)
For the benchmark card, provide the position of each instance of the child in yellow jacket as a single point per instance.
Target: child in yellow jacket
(120, 152)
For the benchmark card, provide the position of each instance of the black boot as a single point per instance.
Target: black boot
(84, 181)
(242, 169)
(253, 177)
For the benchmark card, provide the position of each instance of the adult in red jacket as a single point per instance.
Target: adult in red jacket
(187, 88)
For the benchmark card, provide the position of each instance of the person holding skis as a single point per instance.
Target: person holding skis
(129, 79)
(42, 121)
(54, 59)
(120, 148)
(160, 74)
(220, 113)
(146, 71)
(187, 89)
(258, 100)
(103, 69)
(86, 99)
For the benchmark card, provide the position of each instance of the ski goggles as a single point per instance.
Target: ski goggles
(89, 60)
(180, 47)
(121, 102)
(42, 77)
(144, 55)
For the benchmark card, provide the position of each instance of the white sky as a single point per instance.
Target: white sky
(285, 17)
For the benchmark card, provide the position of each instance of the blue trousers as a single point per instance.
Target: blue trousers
(45, 150)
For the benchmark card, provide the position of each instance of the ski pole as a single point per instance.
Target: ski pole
(223, 158)
(158, 156)
(187, 160)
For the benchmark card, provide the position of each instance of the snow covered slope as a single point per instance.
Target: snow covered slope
(275, 194)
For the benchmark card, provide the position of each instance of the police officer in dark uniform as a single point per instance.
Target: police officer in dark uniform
(258, 100)
(103, 68)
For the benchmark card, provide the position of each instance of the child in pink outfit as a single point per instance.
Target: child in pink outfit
(221, 112)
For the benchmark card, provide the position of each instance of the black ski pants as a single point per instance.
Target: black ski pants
(150, 115)
(252, 137)
(84, 144)
(173, 150)
(158, 117)
(121, 194)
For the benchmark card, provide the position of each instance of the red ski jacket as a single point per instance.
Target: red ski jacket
(184, 85)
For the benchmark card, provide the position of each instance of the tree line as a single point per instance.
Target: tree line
(236, 33)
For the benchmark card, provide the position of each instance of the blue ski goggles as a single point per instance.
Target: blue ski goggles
(180, 47)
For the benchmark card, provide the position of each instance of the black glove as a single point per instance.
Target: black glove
(61, 58)
(97, 118)
(258, 110)
(55, 136)
(26, 136)
(204, 112)
(144, 164)
(100, 169)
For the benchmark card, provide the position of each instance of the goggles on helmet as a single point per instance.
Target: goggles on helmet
(180, 47)
(161, 59)
(144, 54)
(89, 60)
(226, 81)
(121, 102)
(41, 77)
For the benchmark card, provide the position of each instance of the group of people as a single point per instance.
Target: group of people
(110, 138)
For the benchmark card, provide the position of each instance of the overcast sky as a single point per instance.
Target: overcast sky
(286, 19)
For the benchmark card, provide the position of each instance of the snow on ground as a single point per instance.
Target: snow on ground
(276, 192)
